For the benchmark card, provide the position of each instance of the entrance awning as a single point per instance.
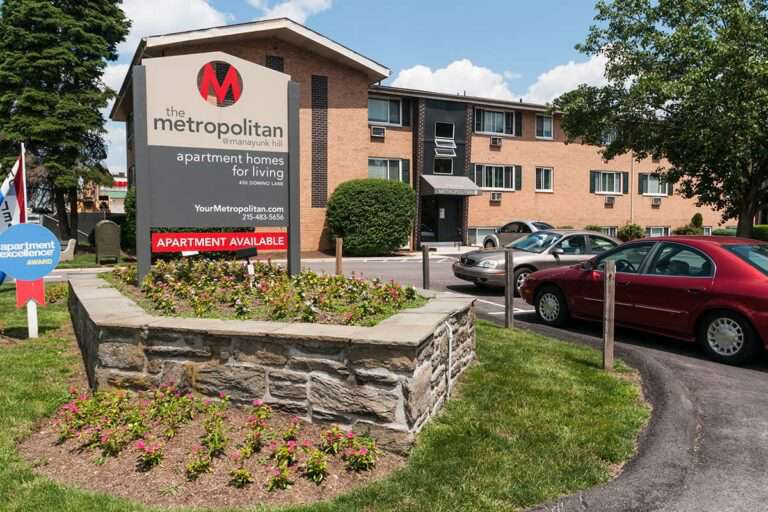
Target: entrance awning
(448, 186)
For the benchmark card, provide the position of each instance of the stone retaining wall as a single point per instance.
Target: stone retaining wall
(387, 380)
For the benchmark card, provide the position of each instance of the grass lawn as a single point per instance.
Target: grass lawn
(534, 419)
(85, 260)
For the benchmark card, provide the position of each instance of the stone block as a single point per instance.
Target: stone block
(319, 364)
(287, 384)
(370, 356)
(242, 383)
(122, 356)
(393, 439)
(260, 350)
(417, 392)
(331, 394)
(107, 378)
(376, 376)
(171, 343)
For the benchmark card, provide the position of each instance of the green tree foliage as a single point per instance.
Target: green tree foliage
(52, 57)
(128, 228)
(687, 80)
(374, 217)
(630, 232)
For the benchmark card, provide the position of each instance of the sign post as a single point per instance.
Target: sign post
(28, 252)
(216, 146)
(509, 289)
(608, 313)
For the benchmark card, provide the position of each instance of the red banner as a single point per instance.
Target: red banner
(207, 242)
(30, 290)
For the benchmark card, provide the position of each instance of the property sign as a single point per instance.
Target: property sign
(28, 252)
(199, 242)
(216, 141)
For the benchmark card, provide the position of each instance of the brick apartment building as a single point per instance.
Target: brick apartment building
(475, 163)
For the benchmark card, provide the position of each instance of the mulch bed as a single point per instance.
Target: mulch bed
(167, 485)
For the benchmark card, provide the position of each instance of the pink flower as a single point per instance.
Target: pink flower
(363, 451)
(258, 403)
(140, 445)
(295, 419)
(306, 443)
(350, 435)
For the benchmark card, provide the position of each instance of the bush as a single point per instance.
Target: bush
(374, 217)
(724, 232)
(594, 227)
(760, 232)
(688, 230)
(630, 232)
(697, 221)
(128, 231)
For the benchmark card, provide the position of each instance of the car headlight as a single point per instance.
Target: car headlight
(487, 264)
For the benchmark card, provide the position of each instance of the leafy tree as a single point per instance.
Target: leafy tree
(686, 80)
(630, 232)
(52, 56)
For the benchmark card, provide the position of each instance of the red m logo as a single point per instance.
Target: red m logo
(226, 91)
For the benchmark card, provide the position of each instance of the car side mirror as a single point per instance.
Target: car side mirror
(588, 265)
(557, 251)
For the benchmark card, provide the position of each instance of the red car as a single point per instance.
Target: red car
(713, 290)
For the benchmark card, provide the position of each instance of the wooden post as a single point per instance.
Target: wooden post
(339, 252)
(609, 309)
(32, 319)
(509, 289)
(425, 266)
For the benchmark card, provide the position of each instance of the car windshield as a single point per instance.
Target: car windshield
(536, 242)
(541, 226)
(755, 255)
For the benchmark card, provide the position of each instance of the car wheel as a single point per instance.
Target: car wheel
(489, 244)
(728, 338)
(521, 275)
(551, 307)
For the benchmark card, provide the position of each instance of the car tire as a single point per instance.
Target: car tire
(728, 338)
(520, 275)
(489, 244)
(551, 306)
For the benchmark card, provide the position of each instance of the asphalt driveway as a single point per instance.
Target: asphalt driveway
(725, 466)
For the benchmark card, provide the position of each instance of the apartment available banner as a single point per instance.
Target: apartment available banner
(200, 242)
(217, 142)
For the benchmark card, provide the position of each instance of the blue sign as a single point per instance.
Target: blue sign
(28, 252)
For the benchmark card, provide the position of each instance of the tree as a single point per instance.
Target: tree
(52, 56)
(688, 81)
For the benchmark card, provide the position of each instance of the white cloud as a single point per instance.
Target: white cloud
(115, 139)
(114, 75)
(297, 10)
(151, 17)
(458, 77)
(565, 77)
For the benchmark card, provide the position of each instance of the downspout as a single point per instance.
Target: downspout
(631, 189)
(450, 357)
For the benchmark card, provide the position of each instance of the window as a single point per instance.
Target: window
(657, 231)
(609, 183)
(600, 245)
(515, 227)
(628, 258)
(541, 226)
(495, 122)
(384, 110)
(573, 245)
(681, 261)
(543, 127)
(707, 230)
(444, 130)
(543, 179)
(609, 230)
(443, 166)
(755, 255)
(388, 169)
(495, 177)
(535, 242)
(652, 185)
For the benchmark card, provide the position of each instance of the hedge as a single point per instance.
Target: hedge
(373, 216)
(760, 232)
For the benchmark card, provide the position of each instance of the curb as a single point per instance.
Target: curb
(666, 452)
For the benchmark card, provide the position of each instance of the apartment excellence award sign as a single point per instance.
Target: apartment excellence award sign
(215, 146)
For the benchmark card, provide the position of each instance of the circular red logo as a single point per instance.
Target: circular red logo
(220, 83)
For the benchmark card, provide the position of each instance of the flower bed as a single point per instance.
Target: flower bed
(175, 439)
(225, 289)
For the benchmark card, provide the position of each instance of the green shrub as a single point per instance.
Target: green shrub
(565, 227)
(128, 230)
(630, 232)
(760, 232)
(374, 217)
(688, 230)
(594, 227)
(724, 232)
(697, 221)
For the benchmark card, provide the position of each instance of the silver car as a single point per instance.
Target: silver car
(537, 251)
(511, 231)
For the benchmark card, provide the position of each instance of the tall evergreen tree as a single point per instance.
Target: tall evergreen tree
(52, 56)
(687, 80)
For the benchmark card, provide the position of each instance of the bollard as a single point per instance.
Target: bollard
(509, 289)
(425, 266)
(339, 252)
(609, 310)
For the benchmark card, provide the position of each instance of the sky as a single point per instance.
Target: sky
(506, 49)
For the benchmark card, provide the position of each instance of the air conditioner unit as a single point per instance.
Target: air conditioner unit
(378, 132)
(656, 202)
(610, 201)
(495, 197)
(496, 141)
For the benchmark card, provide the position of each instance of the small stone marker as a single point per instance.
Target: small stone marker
(107, 236)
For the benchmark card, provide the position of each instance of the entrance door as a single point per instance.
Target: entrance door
(441, 219)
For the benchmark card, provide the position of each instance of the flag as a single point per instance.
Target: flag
(13, 198)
